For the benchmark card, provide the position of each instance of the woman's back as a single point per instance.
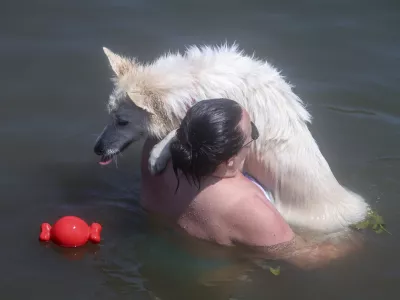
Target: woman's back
(225, 211)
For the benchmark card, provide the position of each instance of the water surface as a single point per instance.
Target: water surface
(342, 56)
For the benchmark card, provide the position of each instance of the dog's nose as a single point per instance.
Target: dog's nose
(98, 148)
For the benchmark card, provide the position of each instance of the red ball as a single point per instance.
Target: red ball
(70, 231)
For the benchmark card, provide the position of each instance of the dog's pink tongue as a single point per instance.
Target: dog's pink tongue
(103, 163)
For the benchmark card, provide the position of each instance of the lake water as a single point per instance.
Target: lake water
(342, 56)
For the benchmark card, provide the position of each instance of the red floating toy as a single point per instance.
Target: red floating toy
(70, 231)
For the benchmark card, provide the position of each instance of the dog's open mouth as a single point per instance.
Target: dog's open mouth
(106, 159)
(110, 154)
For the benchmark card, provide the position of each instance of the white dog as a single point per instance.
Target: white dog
(152, 99)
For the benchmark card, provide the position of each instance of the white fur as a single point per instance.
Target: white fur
(305, 190)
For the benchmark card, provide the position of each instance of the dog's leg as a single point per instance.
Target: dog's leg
(160, 154)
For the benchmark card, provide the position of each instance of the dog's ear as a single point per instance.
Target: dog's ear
(119, 64)
(142, 101)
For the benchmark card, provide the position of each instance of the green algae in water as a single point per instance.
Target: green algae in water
(373, 221)
(275, 271)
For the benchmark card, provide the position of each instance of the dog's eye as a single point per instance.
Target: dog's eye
(121, 122)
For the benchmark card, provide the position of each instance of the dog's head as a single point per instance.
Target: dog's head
(147, 99)
(128, 116)
(127, 124)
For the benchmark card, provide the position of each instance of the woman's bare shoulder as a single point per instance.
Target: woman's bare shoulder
(228, 192)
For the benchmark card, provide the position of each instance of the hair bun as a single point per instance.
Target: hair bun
(181, 154)
(208, 136)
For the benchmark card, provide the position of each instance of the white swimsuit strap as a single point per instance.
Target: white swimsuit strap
(266, 192)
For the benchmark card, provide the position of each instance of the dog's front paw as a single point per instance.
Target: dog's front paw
(158, 159)
(160, 154)
(157, 163)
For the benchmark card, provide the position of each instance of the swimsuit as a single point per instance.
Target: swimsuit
(267, 193)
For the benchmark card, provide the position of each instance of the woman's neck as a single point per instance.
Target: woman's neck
(224, 173)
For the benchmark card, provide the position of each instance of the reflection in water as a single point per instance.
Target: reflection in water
(164, 264)
(75, 253)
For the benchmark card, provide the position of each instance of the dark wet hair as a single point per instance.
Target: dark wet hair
(208, 136)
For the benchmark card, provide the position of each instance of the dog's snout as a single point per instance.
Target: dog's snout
(99, 148)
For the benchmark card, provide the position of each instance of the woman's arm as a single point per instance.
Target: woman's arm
(262, 229)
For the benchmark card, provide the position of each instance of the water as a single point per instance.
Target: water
(342, 56)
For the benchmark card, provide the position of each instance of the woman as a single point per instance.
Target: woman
(204, 192)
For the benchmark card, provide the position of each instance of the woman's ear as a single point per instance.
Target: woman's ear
(230, 162)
